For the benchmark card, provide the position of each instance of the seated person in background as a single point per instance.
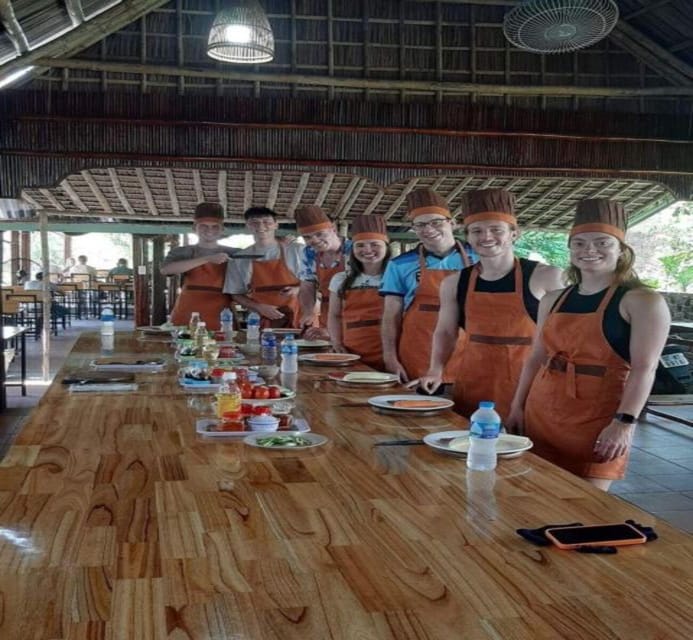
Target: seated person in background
(356, 307)
(323, 256)
(37, 285)
(121, 269)
(82, 268)
(268, 285)
(22, 277)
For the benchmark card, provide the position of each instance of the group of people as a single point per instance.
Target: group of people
(569, 366)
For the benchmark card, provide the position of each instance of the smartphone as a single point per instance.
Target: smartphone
(595, 535)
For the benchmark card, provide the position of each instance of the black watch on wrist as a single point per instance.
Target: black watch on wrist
(625, 418)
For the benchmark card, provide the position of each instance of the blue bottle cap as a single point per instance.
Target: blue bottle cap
(486, 404)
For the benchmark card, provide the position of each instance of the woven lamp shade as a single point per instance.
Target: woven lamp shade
(241, 34)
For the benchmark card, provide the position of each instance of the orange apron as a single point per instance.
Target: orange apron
(202, 291)
(420, 320)
(268, 279)
(576, 392)
(362, 312)
(499, 338)
(324, 275)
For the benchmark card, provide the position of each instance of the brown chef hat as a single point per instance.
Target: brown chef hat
(369, 227)
(423, 201)
(209, 212)
(311, 218)
(600, 214)
(488, 204)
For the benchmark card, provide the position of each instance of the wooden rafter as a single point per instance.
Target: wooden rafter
(98, 194)
(171, 188)
(146, 192)
(222, 189)
(375, 201)
(423, 86)
(354, 192)
(197, 182)
(324, 189)
(450, 197)
(643, 194)
(298, 193)
(52, 199)
(73, 195)
(247, 190)
(274, 189)
(411, 185)
(548, 193)
(120, 193)
(12, 27)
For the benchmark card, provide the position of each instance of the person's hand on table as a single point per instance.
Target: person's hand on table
(515, 422)
(339, 348)
(269, 311)
(613, 441)
(316, 333)
(393, 365)
(430, 382)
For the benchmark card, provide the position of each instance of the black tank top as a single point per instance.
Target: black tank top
(616, 329)
(506, 284)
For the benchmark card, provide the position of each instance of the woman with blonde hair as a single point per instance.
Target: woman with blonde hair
(595, 354)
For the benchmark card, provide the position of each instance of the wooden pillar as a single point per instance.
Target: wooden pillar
(173, 282)
(14, 256)
(141, 281)
(46, 332)
(25, 252)
(159, 310)
(67, 247)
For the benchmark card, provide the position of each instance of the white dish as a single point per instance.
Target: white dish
(301, 343)
(202, 387)
(299, 426)
(115, 364)
(457, 442)
(282, 331)
(315, 439)
(364, 378)
(388, 402)
(329, 359)
(262, 423)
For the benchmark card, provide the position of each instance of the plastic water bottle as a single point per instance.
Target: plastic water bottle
(107, 329)
(289, 352)
(252, 335)
(194, 321)
(268, 348)
(200, 337)
(483, 437)
(229, 396)
(226, 323)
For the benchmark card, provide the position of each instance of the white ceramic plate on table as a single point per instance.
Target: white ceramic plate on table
(398, 403)
(314, 440)
(457, 442)
(302, 343)
(363, 378)
(127, 364)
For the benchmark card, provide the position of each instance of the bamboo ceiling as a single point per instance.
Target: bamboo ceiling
(122, 116)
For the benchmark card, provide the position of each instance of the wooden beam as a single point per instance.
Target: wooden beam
(87, 34)
(120, 193)
(248, 190)
(197, 182)
(274, 189)
(324, 189)
(75, 11)
(221, 189)
(146, 191)
(73, 195)
(13, 29)
(52, 199)
(370, 83)
(98, 194)
(351, 194)
(298, 194)
(656, 57)
(458, 189)
(401, 198)
(172, 196)
(375, 202)
(549, 192)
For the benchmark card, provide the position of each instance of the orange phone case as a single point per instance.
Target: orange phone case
(611, 541)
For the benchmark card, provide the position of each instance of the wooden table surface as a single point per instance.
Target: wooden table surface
(118, 521)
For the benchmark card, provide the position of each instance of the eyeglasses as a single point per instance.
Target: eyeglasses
(437, 223)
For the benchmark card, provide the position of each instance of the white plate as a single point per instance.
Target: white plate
(202, 387)
(360, 378)
(299, 424)
(315, 440)
(387, 402)
(457, 442)
(116, 364)
(301, 343)
(282, 331)
(329, 359)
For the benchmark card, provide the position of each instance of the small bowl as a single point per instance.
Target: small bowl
(267, 371)
(263, 423)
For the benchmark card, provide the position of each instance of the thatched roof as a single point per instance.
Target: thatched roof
(627, 101)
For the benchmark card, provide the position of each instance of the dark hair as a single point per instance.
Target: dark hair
(354, 269)
(259, 212)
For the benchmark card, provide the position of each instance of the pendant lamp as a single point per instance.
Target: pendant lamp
(241, 34)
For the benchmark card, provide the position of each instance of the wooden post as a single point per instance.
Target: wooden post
(46, 329)
(14, 256)
(158, 282)
(25, 252)
(141, 281)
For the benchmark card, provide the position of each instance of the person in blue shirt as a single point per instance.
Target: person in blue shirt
(411, 287)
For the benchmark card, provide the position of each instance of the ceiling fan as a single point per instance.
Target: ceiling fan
(559, 26)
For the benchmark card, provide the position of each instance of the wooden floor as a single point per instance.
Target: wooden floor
(659, 480)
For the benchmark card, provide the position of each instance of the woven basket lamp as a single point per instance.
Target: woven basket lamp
(241, 34)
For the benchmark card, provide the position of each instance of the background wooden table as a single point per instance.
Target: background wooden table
(118, 521)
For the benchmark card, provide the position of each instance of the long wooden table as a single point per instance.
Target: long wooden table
(118, 521)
